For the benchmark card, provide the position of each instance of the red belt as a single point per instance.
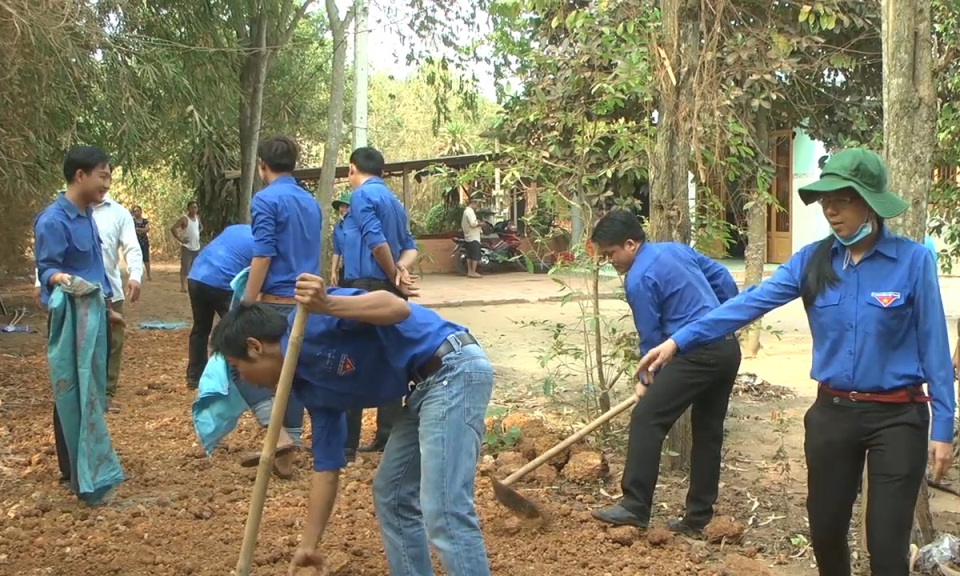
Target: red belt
(908, 395)
(271, 299)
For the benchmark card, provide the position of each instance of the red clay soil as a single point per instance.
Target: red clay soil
(182, 513)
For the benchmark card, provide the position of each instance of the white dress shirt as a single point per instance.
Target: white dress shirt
(117, 232)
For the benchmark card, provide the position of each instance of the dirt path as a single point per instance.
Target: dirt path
(182, 513)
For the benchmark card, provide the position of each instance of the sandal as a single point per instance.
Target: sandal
(252, 459)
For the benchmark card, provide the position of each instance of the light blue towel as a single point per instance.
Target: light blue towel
(77, 358)
(160, 325)
(928, 242)
(219, 405)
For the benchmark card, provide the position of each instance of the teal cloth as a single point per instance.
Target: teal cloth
(219, 405)
(77, 357)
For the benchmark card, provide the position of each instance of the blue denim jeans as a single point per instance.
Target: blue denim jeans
(423, 489)
(260, 400)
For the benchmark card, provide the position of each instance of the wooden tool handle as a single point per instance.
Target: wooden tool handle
(265, 469)
(539, 460)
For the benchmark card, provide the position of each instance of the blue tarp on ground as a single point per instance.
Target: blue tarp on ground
(218, 405)
(77, 358)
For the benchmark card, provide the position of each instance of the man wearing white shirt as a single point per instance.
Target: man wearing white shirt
(117, 232)
(472, 229)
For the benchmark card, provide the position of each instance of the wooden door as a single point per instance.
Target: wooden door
(779, 237)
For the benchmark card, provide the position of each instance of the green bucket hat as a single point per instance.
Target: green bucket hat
(864, 172)
(343, 200)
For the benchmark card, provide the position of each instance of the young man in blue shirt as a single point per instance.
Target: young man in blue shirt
(361, 349)
(208, 285)
(378, 252)
(67, 246)
(669, 285)
(211, 294)
(287, 230)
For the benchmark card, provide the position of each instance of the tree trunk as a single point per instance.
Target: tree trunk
(909, 137)
(253, 75)
(331, 148)
(755, 254)
(678, 48)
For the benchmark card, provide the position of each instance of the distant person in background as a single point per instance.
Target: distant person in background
(341, 205)
(472, 229)
(142, 226)
(187, 232)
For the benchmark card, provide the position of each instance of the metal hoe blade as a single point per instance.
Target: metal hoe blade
(518, 503)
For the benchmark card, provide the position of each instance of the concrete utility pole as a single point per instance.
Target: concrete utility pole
(360, 66)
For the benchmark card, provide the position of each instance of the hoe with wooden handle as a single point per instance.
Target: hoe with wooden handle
(522, 505)
(252, 528)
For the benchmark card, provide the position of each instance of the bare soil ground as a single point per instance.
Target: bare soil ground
(182, 513)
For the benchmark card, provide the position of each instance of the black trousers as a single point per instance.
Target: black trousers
(701, 380)
(205, 302)
(839, 435)
(59, 440)
(387, 414)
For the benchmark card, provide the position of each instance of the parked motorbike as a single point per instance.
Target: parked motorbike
(496, 250)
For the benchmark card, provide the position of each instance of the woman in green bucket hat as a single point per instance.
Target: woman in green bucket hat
(873, 303)
(342, 205)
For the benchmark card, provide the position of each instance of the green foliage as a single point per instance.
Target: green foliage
(443, 218)
(498, 440)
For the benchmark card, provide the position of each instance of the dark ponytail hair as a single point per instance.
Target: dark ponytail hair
(818, 274)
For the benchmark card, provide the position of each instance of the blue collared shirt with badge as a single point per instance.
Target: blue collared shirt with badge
(67, 241)
(670, 285)
(346, 365)
(375, 217)
(224, 257)
(881, 328)
(287, 228)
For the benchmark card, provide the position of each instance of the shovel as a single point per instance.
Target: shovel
(520, 504)
(252, 528)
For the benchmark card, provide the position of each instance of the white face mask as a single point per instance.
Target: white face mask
(865, 230)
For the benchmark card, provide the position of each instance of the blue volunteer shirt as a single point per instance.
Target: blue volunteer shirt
(375, 217)
(287, 227)
(880, 328)
(339, 238)
(346, 365)
(68, 241)
(670, 285)
(224, 257)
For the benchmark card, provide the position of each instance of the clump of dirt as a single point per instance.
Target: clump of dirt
(536, 439)
(509, 462)
(659, 536)
(586, 467)
(737, 565)
(623, 535)
(723, 528)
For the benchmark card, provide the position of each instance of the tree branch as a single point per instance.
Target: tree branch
(298, 15)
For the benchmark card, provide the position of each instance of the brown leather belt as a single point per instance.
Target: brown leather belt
(908, 395)
(271, 299)
(433, 365)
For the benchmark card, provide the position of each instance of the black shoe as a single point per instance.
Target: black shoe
(350, 455)
(617, 515)
(682, 528)
(377, 445)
